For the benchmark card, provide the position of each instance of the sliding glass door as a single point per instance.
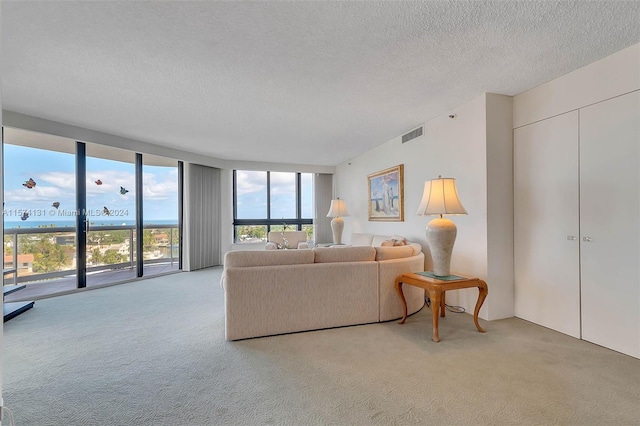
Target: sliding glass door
(79, 214)
(39, 210)
(160, 198)
(110, 214)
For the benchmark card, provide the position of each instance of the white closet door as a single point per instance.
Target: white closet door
(610, 218)
(546, 245)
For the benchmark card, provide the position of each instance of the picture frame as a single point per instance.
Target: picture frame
(386, 194)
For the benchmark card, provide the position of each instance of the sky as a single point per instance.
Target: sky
(54, 177)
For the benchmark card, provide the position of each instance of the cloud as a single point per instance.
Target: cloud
(38, 194)
(61, 180)
(112, 180)
(160, 187)
(249, 182)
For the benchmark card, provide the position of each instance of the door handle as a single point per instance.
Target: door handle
(571, 237)
(586, 239)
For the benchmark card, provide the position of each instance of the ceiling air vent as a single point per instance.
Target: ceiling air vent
(415, 133)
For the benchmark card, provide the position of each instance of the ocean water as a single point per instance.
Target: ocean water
(72, 223)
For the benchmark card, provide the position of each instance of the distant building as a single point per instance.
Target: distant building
(25, 263)
(161, 239)
(65, 239)
(124, 248)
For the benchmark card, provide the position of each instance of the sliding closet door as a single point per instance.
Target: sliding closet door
(610, 223)
(546, 248)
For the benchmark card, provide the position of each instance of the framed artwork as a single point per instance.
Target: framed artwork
(386, 194)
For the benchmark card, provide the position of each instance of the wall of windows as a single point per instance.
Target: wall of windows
(75, 212)
(271, 201)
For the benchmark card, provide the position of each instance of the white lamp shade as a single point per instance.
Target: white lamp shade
(440, 197)
(338, 208)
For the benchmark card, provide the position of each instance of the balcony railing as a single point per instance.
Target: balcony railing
(38, 254)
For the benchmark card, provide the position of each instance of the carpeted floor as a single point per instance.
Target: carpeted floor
(153, 353)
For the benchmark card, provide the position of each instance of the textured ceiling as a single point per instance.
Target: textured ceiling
(290, 82)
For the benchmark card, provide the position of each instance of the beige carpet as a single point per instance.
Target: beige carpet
(153, 353)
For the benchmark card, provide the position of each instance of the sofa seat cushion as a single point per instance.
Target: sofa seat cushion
(344, 254)
(236, 259)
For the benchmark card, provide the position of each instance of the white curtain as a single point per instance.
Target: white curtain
(323, 192)
(202, 222)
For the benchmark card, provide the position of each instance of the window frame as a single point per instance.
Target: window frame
(296, 222)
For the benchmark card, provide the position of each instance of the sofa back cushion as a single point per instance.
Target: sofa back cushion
(358, 239)
(344, 254)
(235, 259)
(378, 240)
(386, 253)
(397, 252)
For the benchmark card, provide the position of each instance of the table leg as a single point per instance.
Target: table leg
(442, 304)
(402, 299)
(482, 294)
(435, 295)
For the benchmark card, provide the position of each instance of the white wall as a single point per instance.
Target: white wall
(612, 76)
(452, 147)
(476, 147)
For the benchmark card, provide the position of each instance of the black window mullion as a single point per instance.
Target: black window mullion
(268, 200)
(235, 205)
(180, 213)
(299, 198)
(139, 218)
(81, 216)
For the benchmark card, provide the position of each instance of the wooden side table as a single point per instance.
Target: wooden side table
(436, 289)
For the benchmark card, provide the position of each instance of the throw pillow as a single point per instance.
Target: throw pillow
(399, 240)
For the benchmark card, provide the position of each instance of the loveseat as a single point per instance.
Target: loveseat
(287, 239)
(282, 291)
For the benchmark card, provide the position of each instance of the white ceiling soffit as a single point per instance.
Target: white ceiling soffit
(289, 82)
(37, 140)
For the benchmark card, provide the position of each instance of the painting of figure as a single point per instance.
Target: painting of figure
(386, 194)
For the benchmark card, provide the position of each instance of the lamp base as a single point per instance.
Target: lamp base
(441, 235)
(337, 225)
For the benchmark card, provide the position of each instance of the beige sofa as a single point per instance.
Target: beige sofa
(283, 291)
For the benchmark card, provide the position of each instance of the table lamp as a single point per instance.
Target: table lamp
(441, 197)
(338, 208)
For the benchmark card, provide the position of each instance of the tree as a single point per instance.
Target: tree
(47, 256)
(96, 238)
(96, 256)
(148, 242)
(175, 240)
(252, 232)
(112, 256)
